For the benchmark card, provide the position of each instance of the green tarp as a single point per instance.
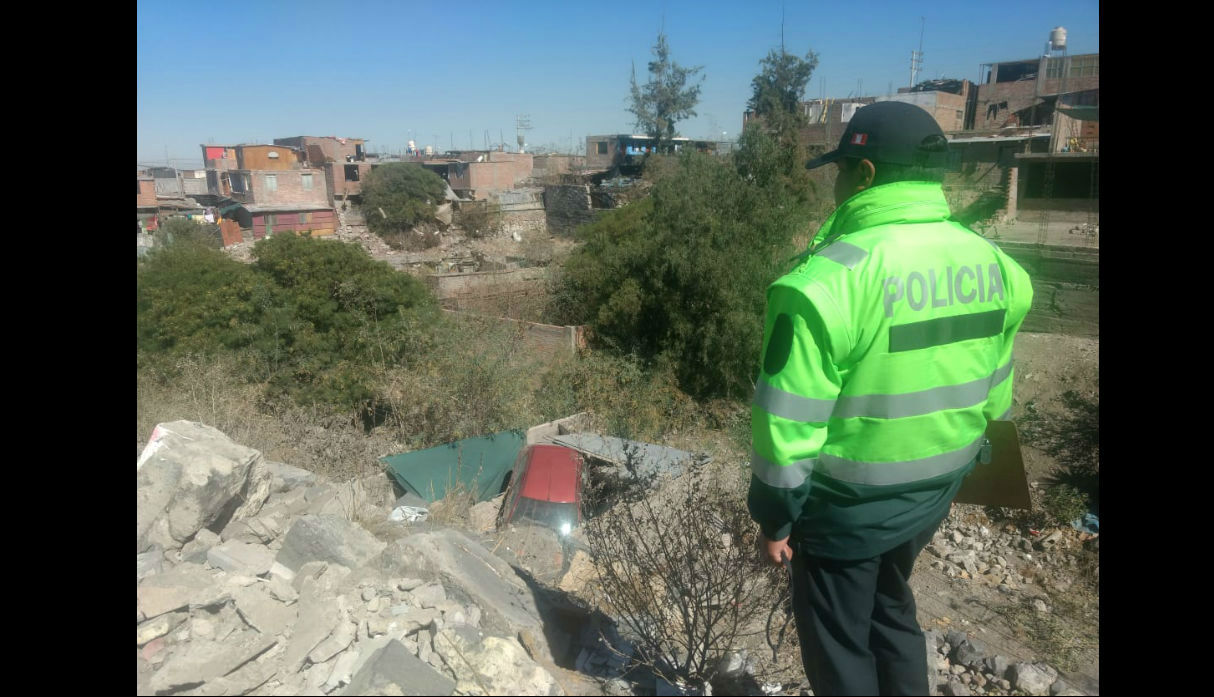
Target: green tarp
(480, 463)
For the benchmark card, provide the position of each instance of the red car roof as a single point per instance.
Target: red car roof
(551, 474)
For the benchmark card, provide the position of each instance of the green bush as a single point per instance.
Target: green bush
(398, 195)
(319, 316)
(193, 299)
(682, 276)
(184, 230)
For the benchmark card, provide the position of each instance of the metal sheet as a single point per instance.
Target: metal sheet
(650, 458)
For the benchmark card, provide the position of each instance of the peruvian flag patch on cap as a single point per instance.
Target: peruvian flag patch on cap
(859, 139)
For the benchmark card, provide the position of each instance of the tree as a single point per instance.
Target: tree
(398, 195)
(772, 146)
(682, 275)
(780, 86)
(184, 230)
(666, 99)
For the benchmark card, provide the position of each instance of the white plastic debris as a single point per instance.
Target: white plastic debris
(408, 514)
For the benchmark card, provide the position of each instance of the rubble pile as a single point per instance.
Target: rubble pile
(258, 578)
(1006, 558)
(959, 665)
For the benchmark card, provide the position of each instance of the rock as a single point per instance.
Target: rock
(241, 558)
(482, 517)
(208, 660)
(957, 537)
(159, 626)
(954, 638)
(318, 618)
(260, 529)
(956, 669)
(1004, 684)
(410, 619)
(387, 668)
(732, 664)
(1058, 687)
(581, 571)
(195, 551)
(980, 679)
(507, 604)
(1030, 678)
(285, 477)
(281, 590)
(408, 584)
(996, 665)
(1040, 606)
(327, 538)
(969, 652)
(192, 477)
(955, 687)
(339, 640)
(261, 611)
(186, 585)
(493, 665)
(430, 595)
(149, 563)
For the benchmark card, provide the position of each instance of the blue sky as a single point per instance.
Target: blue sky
(256, 70)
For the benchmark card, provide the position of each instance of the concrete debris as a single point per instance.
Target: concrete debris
(391, 669)
(482, 517)
(159, 626)
(327, 538)
(186, 585)
(241, 557)
(207, 660)
(261, 611)
(296, 598)
(149, 562)
(492, 664)
(195, 551)
(430, 595)
(581, 571)
(191, 477)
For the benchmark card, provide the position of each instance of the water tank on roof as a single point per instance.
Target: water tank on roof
(1058, 39)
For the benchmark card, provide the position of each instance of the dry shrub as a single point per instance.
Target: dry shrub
(678, 569)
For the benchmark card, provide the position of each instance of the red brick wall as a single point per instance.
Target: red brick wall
(320, 223)
(147, 192)
(290, 188)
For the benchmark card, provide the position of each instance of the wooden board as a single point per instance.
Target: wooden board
(1002, 481)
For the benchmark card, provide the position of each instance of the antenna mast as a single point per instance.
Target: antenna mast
(522, 122)
(917, 56)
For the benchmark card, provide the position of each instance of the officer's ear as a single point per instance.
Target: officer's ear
(865, 173)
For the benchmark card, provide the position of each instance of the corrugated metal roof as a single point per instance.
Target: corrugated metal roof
(998, 139)
(650, 458)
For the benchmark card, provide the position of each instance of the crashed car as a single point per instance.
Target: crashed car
(546, 488)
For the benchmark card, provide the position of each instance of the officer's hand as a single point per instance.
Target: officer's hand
(772, 551)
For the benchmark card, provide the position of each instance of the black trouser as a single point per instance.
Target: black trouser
(856, 621)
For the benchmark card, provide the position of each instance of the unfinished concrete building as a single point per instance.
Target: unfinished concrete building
(1025, 92)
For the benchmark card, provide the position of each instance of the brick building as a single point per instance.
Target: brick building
(1011, 89)
(495, 171)
(344, 161)
(266, 189)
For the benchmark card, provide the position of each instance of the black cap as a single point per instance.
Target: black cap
(892, 132)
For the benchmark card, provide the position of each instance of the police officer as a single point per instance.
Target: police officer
(886, 350)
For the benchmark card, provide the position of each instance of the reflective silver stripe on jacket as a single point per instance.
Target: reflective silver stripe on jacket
(787, 405)
(781, 476)
(886, 473)
(897, 406)
(846, 254)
